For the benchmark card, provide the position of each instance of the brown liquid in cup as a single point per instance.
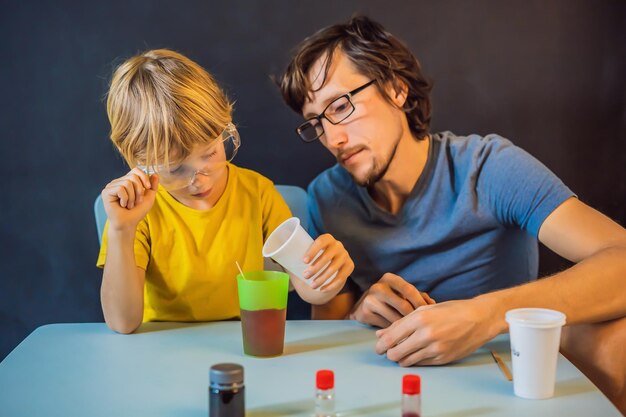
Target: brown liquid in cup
(263, 331)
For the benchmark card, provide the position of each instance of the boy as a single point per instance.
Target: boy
(183, 215)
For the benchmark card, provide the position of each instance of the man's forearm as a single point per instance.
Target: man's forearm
(593, 290)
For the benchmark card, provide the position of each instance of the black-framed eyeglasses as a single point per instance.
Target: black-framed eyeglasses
(336, 112)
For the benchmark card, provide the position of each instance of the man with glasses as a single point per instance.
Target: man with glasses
(436, 215)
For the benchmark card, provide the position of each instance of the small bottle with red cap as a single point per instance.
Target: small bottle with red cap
(411, 396)
(325, 393)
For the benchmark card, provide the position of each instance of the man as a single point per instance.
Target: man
(455, 217)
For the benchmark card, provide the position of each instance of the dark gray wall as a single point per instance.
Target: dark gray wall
(547, 74)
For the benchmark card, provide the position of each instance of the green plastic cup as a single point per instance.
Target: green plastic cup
(263, 306)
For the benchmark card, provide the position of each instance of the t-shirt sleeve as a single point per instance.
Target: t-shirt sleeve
(142, 245)
(520, 190)
(316, 190)
(275, 210)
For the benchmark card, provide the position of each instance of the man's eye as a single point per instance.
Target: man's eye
(310, 124)
(341, 107)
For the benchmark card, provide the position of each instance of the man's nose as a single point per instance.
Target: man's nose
(335, 136)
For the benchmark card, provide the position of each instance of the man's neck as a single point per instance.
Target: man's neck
(392, 191)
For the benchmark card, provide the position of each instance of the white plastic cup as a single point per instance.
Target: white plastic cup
(535, 337)
(288, 244)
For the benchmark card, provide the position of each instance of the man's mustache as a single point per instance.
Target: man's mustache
(345, 153)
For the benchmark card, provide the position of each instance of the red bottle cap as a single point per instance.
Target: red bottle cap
(411, 384)
(325, 379)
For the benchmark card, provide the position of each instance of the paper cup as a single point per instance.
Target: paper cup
(288, 244)
(535, 337)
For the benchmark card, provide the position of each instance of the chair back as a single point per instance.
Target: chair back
(296, 199)
(101, 216)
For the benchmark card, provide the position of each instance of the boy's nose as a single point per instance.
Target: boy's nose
(195, 175)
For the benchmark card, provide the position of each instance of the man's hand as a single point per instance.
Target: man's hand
(439, 334)
(387, 301)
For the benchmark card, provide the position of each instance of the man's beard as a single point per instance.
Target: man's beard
(377, 172)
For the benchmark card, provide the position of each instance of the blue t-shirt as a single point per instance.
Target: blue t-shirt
(469, 226)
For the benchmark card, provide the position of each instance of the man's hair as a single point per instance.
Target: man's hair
(160, 104)
(375, 53)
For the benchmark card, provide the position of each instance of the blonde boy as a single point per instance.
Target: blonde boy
(183, 215)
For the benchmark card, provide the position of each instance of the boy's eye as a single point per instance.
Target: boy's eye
(175, 171)
(210, 155)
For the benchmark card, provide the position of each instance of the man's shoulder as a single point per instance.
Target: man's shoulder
(471, 143)
(473, 149)
(331, 182)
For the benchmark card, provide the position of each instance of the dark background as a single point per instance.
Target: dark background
(549, 75)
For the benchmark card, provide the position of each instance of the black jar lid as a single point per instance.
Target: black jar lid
(226, 373)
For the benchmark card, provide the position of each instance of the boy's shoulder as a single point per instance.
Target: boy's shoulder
(248, 178)
(250, 175)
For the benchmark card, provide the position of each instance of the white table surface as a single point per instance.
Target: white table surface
(162, 370)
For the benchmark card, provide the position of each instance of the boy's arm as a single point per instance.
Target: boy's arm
(308, 294)
(121, 293)
(337, 308)
(335, 262)
(312, 296)
(126, 200)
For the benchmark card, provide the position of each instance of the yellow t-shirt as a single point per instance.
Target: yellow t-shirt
(189, 255)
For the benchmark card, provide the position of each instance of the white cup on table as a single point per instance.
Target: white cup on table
(288, 244)
(535, 337)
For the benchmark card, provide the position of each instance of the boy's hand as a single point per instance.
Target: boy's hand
(340, 262)
(128, 199)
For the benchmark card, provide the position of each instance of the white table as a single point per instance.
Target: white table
(162, 370)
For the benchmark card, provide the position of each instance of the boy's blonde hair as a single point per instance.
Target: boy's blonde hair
(160, 104)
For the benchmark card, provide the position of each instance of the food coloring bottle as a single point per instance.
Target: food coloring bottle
(226, 390)
(411, 396)
(325, 393)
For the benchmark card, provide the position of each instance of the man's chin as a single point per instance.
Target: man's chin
(365, 176)
(359, 179)
(365, 180)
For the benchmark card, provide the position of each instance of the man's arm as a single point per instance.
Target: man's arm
(386, 301)
(592, 290)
